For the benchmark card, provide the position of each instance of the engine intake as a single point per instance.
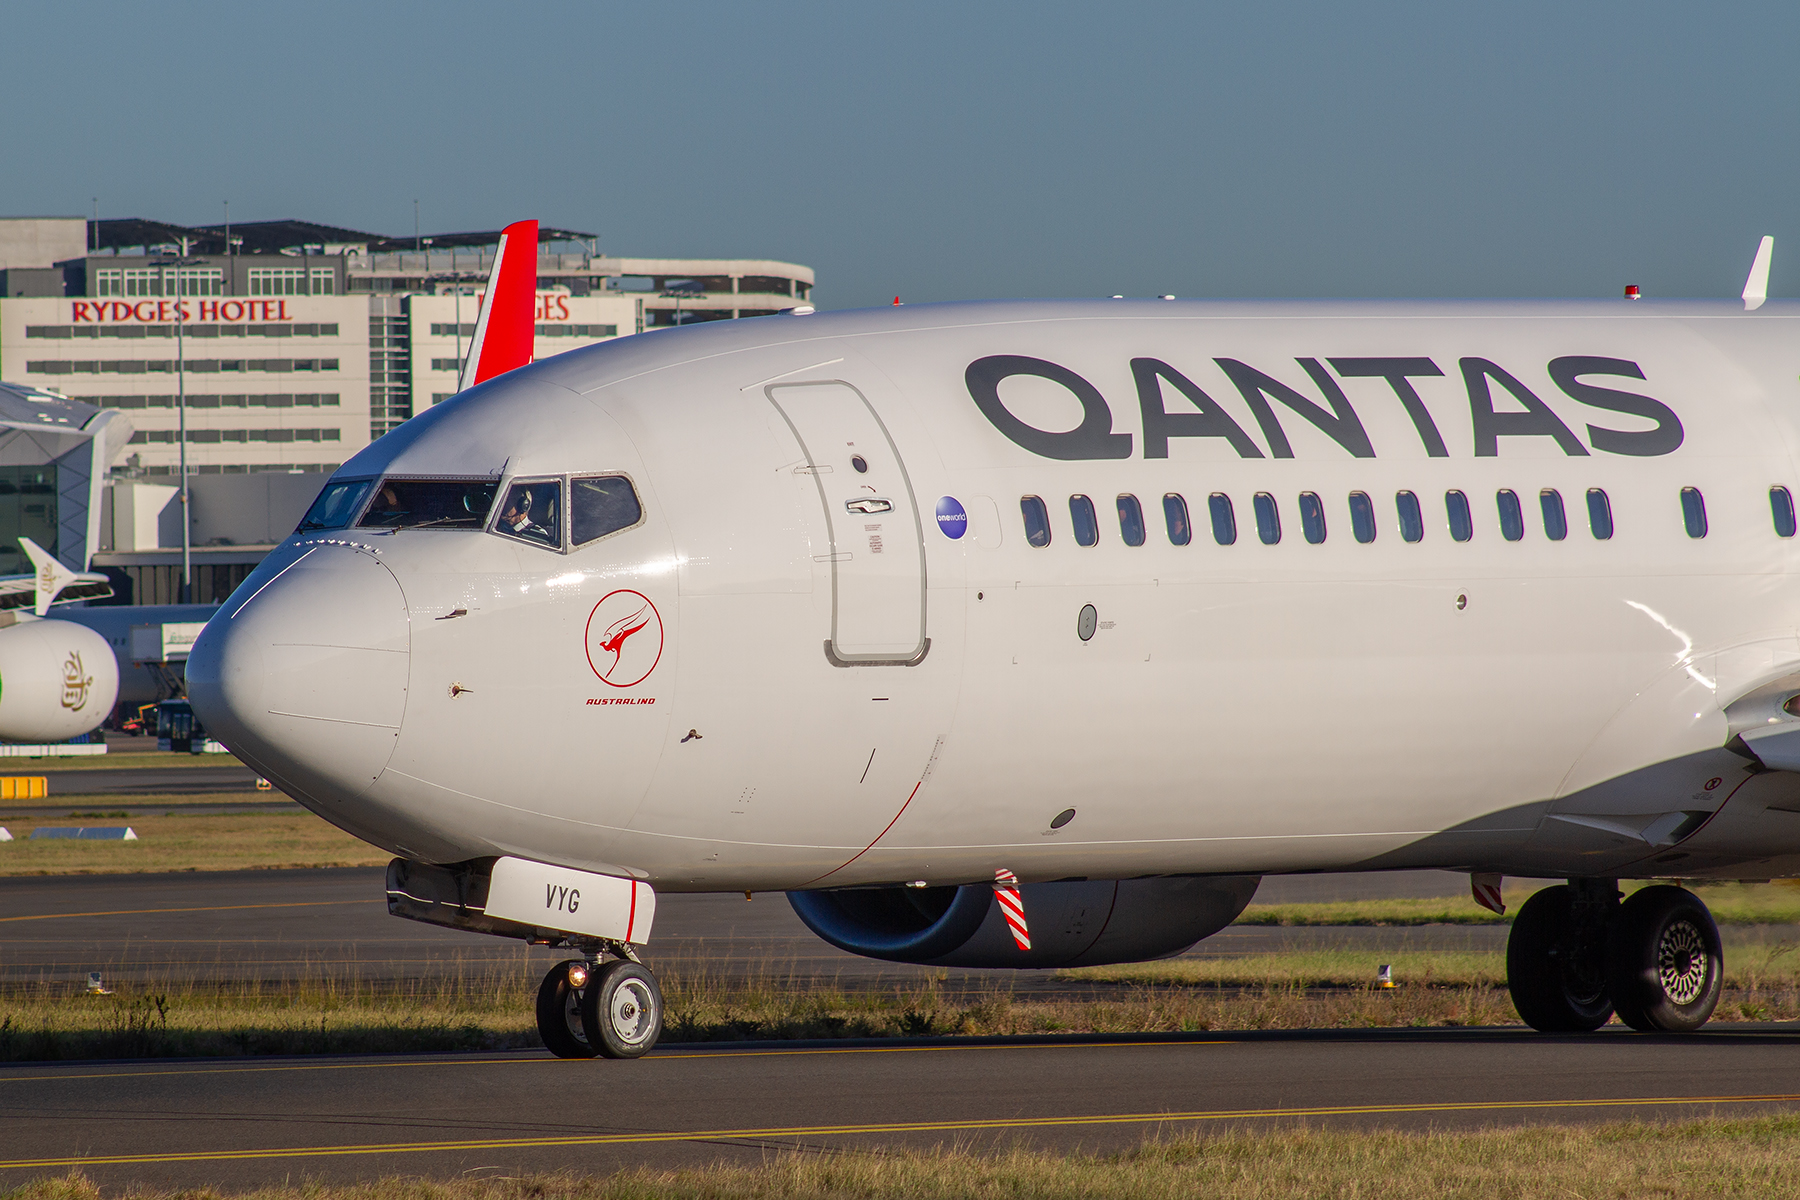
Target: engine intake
(1080, 923)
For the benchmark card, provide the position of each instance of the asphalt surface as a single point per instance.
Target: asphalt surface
(236, 1124)
(333, 923)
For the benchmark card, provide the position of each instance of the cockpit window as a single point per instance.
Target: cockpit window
(336, 505)
(532, 512)
(429, 503)
(599, 505)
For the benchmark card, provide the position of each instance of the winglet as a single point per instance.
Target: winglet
(52, 576)
(505, 329)
(1756, 288)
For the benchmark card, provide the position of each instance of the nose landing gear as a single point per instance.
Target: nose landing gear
(586, 1007)
(1576, 955)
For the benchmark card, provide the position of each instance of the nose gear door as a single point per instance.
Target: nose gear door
(877, 544)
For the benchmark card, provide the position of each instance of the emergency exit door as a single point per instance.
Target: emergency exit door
(877, 550)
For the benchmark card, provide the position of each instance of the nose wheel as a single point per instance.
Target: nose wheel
(1576, 956)
(613, 1009)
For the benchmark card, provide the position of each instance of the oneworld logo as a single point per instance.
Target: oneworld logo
(624, 638)
(951, 518)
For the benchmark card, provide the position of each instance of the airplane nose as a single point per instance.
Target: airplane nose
(306, 678)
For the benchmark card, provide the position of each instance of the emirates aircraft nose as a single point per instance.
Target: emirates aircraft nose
(306, 678)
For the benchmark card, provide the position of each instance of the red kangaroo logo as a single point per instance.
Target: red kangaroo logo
(614, 640)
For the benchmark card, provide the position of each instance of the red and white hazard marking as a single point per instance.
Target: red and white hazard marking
(1486, 889)
(1012, 906)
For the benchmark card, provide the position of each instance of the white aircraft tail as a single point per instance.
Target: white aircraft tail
(52, 576)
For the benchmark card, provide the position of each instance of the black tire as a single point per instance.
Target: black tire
(559, 1018)
(1557, 985)
(622, 1010)
(1665, 966)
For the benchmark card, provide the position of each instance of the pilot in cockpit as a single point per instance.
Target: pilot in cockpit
(530, 512)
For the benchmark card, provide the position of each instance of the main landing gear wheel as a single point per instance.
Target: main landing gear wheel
(559, 1018)
(1555, 969)
(622, 1010)
(1664, 961)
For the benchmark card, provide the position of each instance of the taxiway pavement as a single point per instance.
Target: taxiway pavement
(235, 1124)
(277, 926)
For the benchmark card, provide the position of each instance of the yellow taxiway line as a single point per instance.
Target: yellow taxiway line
(139, 912)
(887, 1127)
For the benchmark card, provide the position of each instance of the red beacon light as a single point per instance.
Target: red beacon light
(1632, 292)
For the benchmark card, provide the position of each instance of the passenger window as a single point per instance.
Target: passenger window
(1268, 519)
(1512, 517)
(1362, 517)
(1412, 521)
(600, 505)
(438, 503)
(338, 503)
(1037, 521)
(1599, 514)
(1224, 520)
(1175, 513)
(531, 512)
(1781, 507)
(1456, 508)
(1312, 517)
(1693, 512)
(1131, 520)
(1556, 521)
(1087, 525)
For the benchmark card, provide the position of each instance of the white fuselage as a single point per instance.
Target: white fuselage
(867, 699)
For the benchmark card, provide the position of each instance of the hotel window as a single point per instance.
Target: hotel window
(324, 282)
(109, 282)
(277, 281)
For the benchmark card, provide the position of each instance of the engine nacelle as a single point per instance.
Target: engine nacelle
(1077, 924)
(58, 680)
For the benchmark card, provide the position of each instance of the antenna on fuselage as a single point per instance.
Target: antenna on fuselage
(1756, 288)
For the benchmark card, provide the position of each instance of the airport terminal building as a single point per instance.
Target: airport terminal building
(300, 343)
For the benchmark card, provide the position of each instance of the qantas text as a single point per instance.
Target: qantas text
(1196, 415)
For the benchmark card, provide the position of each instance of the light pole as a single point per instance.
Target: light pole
(187, 567)
(680, 290)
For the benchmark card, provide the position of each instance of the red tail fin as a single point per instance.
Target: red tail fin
(504, 332)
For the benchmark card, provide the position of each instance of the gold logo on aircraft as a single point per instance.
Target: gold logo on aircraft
(76, 683)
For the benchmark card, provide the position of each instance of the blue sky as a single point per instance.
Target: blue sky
(954, 151)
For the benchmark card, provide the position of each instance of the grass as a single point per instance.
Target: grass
(489, 1006)
(187, 842)
(1776, 903)
(1713, 1157)
(1753, 962)
(116, 759)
